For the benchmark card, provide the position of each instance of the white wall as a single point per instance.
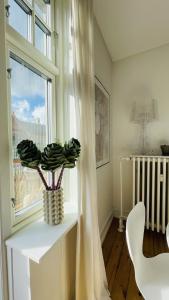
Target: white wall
(103, 71)
(143, 75)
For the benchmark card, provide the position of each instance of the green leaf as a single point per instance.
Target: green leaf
(29, 154)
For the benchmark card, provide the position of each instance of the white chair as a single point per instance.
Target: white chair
(151, 274)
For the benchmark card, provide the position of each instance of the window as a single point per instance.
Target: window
(21, 23)
(33, 22)
(28, 102)
(32, 96)
(29, 108)
(42, 10)
(42, 38)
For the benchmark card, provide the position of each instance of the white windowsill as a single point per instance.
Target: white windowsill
(36, 239)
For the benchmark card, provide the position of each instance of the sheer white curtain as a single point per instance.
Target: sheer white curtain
(78, 86)
(91, 282)
(67, 87)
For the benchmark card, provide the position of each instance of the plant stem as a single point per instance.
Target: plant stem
(42, 177)
(60, 178)
(53, 180)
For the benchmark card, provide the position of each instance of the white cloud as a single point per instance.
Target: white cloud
(23, 112)
(24, 106)
(21, 109)
(39, 114)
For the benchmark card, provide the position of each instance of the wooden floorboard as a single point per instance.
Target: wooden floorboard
(108, 242)
(119, 268)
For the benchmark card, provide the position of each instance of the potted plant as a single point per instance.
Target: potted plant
(54, 157)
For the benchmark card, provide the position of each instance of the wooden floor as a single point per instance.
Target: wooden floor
(119, 269)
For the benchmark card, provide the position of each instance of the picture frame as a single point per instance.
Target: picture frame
(102, 124)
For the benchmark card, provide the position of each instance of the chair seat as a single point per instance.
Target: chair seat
(153, 277)
(152, 274)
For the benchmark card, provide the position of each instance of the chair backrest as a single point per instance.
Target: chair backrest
(135, 232)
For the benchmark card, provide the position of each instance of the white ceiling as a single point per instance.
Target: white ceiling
(132, 26)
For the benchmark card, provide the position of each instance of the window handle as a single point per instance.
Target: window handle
(9, 71)
(7, 7)
(55, 34)
(13, 200)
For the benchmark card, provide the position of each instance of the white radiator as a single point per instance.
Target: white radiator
(150, 185)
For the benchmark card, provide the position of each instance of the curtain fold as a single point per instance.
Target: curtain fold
(91, 282)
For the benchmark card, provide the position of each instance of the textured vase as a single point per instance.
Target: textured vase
(53, 206)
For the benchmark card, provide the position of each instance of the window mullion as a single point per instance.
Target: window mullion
(33, 23)
(30, 28)
(12, 193)
(48, 46)
(52, 24)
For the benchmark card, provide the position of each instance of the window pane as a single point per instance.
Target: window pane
(29, 119)
(40, 39)
(43, 10)
(18, 19)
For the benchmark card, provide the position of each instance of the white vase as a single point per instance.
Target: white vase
(53, 206)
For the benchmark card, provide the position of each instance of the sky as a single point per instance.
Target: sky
(28, 94)
(27, 88)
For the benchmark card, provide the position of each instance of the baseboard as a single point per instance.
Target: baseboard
(106, 227)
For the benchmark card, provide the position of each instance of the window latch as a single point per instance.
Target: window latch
(9, 71)
(7, 7)
(13, 200)
(56, 35)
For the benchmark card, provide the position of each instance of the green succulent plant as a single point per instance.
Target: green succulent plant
(54, 156)
(29, 154)
(71, 152)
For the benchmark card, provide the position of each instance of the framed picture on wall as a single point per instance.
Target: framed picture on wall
(102, 124)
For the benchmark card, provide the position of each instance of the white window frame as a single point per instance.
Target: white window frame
(22, 48)
(11, 39)
(34, 19)
(37, 207)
